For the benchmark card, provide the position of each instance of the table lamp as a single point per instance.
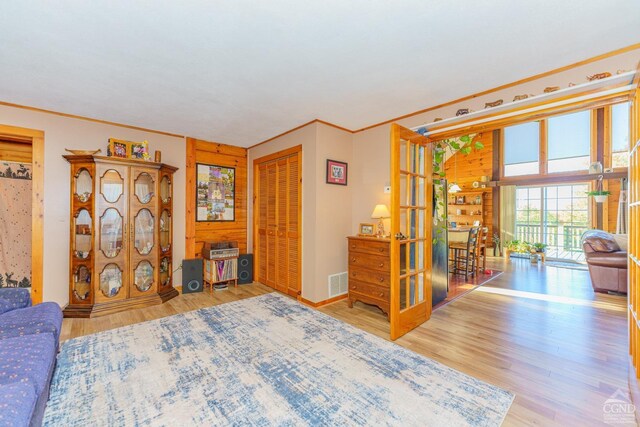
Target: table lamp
(380, 212)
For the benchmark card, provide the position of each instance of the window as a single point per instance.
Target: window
(555, 215)
(569, 142)
(522, 149)
(620, 135)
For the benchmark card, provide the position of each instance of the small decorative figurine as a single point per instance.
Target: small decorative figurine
(462, 112)
(598, 76)
(493, 104)
(550, 89)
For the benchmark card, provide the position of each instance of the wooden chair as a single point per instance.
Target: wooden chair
(464, 254)
(481, 249)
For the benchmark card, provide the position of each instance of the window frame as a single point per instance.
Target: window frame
(608, 137)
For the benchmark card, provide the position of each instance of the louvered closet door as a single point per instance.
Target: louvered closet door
(261, 244)
(293, 223)
(282, 271)
(278, 223)
(272, 210)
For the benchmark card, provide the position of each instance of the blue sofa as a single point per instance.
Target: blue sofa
(29, 337)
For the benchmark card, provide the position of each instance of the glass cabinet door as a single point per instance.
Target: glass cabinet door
(83, 185)
(82, 282)
(82, 238)
(143, 276)
(144, 230)
(165, 189)
(111, 233)
(111, 186)
(165, 231)
(111, 280)
(144, 188)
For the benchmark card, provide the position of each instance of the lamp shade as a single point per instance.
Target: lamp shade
(381, 211)
(454, 188)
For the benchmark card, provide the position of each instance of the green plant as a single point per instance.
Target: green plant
(520, 247)
(539, 247)
(598, 193)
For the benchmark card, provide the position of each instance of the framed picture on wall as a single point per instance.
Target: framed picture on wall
(336, 172)
(215, 193)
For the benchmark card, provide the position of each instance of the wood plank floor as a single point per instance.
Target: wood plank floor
(537, 331)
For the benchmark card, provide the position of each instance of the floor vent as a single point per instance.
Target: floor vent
(338, 284)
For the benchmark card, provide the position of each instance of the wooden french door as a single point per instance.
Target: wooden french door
(411, 221)
(277, 221)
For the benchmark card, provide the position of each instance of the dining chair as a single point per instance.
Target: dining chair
(464, 254)
(481, 249)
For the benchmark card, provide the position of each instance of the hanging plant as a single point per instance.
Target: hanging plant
(465, 145)
(599, 194)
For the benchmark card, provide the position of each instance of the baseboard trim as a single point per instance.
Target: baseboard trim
(324, 302)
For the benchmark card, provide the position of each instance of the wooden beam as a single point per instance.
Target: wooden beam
(190, 200)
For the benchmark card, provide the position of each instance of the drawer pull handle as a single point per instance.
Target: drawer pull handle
(381, 279)
(381, 249)
(353, 260)
(381, 294)
(354, 274)
(381, 264)
(353, 246)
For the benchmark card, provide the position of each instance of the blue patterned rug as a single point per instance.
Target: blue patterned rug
(261, 361)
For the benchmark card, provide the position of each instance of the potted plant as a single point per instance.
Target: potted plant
(599, 195)
(539, 247)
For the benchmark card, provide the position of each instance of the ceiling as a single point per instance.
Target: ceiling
(239, 72)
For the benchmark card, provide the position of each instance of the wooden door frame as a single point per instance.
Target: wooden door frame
(36, 139)
(256, 174)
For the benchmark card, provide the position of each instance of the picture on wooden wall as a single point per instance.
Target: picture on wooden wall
(215, 193)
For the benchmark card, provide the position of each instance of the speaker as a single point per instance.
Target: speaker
(245, 269)
(192, 276)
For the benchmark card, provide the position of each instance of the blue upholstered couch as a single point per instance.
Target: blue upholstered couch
(28, 347)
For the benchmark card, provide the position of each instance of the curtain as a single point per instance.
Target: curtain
(15, 225)
(507, 213)
(621, 225)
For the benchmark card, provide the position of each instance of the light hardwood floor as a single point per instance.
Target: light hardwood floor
(539, 332)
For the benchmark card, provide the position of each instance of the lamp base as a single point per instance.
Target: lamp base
(380, 228)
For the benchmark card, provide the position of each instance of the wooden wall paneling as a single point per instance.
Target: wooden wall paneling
(470, 168)
(197, 233)
(190, 200)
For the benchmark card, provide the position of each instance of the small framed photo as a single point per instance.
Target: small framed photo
(336, 172)
(366, 230)
(118, 148)
(460, 200)
(139, 150)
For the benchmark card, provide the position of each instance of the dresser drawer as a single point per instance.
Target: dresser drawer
(368, 289)
(369, 246)
(363, 274)
(365, 260)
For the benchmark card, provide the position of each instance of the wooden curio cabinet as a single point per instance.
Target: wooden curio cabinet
(121, 235)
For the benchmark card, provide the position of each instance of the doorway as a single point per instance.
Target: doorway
(22, 158)
(277, 220)
(555, 215)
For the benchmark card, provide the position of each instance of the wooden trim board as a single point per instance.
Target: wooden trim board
(324, 302)
(36, 138)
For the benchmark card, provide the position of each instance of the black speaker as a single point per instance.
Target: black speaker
(245, 269)
(192, 276)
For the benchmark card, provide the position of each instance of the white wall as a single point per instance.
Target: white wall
(63, 132)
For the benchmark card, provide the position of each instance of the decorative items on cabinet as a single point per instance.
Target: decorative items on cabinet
(121, 242)
(369, 272)
(381, 212)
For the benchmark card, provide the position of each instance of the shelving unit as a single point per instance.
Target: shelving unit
(471, 210)
(220, 271)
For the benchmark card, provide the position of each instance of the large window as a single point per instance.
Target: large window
(554, 215)
(620, 115)
(569, 142)
(522, 149)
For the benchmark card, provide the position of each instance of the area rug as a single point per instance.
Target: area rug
(263, 361)
(569, 265)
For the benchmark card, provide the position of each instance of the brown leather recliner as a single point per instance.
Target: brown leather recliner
(606, 260)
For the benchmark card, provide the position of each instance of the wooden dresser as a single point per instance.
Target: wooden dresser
(369, 271)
